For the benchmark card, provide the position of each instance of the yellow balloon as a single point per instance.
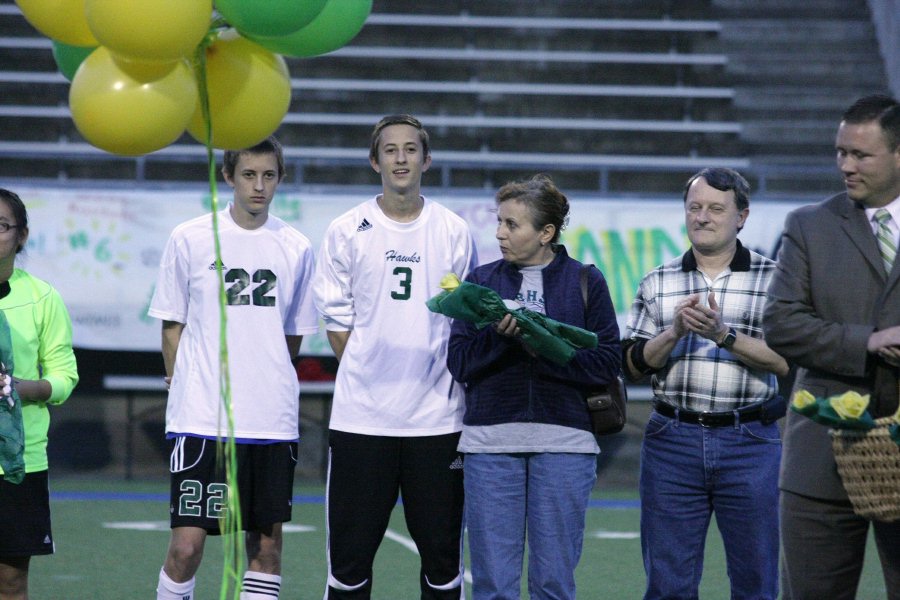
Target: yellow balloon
(144, 71)
(123, 115)
(249, 93)
(149, 29)
(63, 20)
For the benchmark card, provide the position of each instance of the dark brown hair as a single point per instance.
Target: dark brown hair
(19, 214)
(397, 120)
(270, 145)
(877, 107)
(546, 204)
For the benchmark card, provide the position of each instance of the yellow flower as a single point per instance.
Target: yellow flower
(802, 399)
(849, 405)
(449, 282)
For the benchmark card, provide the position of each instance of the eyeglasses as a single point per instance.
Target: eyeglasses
(4, 227)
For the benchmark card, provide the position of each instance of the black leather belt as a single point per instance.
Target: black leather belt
(708, 419)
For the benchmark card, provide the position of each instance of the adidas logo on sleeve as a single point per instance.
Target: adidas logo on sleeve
(364, 226)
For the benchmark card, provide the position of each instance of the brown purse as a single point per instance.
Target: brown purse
(605, 404)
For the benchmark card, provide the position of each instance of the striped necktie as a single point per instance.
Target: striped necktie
(886, 243)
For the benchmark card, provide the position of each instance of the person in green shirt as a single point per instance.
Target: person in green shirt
(36, 349)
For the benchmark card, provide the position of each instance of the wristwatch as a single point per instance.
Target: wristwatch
(729, 339)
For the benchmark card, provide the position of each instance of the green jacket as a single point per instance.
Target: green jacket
(41, 335)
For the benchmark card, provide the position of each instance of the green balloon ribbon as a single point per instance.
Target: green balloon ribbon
(230, 523)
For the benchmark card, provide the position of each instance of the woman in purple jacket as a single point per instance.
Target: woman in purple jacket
(530, 455)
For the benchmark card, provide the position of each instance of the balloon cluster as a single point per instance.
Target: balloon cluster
(140, 68)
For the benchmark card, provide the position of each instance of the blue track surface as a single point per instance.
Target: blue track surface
(155, 497)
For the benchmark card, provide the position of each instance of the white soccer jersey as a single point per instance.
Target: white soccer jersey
(373, 277)
(267, 273)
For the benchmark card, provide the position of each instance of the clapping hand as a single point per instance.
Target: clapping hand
(705, 321)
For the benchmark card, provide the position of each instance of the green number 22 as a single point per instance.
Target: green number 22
(405, 274)
(190, 502)
(240, 280)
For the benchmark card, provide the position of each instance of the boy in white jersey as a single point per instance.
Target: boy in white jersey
(397, 413)
(267, 266)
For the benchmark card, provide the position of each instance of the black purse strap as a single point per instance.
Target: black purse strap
(584, 297)
(584, 288)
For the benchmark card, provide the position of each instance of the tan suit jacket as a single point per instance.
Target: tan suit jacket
(828, 295)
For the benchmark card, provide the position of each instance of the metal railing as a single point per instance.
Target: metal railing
(448, 162)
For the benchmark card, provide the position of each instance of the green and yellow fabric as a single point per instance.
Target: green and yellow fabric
(482, 306)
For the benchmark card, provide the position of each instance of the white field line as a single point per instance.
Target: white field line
(411, 546)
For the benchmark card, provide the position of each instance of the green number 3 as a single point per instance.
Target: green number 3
(405, 282)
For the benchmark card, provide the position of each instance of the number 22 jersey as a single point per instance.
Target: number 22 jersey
(267, 273)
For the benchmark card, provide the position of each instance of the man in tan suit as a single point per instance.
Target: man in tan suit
(834, 311)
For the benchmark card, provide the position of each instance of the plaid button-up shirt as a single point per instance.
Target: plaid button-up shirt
(699, 375)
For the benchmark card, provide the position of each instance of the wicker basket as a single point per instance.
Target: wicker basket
(869, 464)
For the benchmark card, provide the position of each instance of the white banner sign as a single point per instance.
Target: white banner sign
(101, 248)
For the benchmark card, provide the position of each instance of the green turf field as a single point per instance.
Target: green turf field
(111, 537)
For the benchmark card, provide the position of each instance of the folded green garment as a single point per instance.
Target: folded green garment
(12, 435)
(482, 306)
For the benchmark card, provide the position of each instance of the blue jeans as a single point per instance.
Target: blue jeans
(547, 495)
(689, 472)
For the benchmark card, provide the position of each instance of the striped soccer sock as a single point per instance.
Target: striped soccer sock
(260, 586)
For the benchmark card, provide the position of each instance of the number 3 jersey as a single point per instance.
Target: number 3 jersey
(372, 278)
(267, 273)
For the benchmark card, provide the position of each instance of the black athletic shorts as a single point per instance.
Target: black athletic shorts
(199, 491)
(25, 516)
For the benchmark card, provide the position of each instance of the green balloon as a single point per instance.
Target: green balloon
(69, 58)
(269, 18)
(334, 27)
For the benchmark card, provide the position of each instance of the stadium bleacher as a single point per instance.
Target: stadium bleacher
(492, 79)
(492, 84)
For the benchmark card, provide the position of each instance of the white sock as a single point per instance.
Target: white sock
(260, 586)
(169, 590)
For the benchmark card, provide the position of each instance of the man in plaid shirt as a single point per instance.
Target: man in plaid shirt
(711, 444)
